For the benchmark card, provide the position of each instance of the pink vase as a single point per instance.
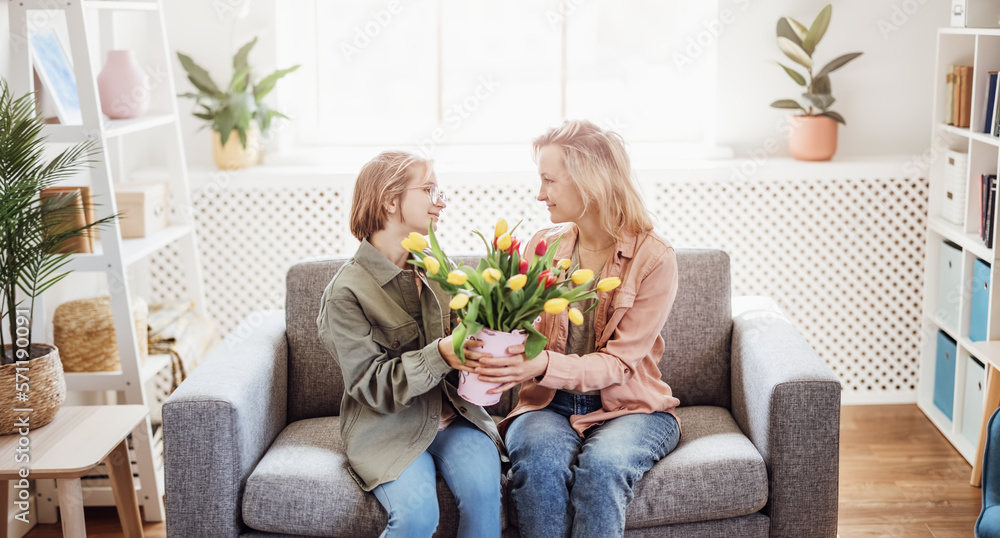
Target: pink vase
(495, 343)
(122, 85)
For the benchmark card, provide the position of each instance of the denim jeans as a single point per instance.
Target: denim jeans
(565, 485)
(468, 461)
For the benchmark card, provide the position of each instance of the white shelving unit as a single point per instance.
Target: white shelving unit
(91, 27)
(970, 393)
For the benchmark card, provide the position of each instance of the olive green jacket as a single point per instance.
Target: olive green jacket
(393, 371)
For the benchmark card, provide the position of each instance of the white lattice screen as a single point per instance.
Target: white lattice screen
(843, 255)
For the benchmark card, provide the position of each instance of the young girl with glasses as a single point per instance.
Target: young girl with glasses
(388, 327)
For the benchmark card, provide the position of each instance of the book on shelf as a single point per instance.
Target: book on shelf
(950, 95)
(965, 96)
(81, 214)
(987, 207)
(991, 104)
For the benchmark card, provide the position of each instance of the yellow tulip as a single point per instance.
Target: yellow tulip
(408, 244)
(500, 229)
(582, 276)
(457, 278)
(575, 316)
(517, 282)
(556, 306)
(418, 241)
(563, 264)
(608, 284)
(503, 242)
(459, 301)
(431, 265)
(492, 275)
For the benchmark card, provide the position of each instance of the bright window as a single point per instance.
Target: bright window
(432, 72)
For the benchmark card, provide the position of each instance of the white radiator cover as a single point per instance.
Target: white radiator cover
(839, 246)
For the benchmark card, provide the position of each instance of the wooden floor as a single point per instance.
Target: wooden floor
(898, 477)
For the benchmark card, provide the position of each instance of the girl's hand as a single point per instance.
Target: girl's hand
(472, 358)
(511, 371)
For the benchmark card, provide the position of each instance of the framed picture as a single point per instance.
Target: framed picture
(56, 72)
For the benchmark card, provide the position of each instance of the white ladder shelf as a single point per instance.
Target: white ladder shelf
(114, 255)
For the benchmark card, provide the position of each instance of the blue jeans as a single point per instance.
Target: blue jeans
(468, 461)
(565, 485)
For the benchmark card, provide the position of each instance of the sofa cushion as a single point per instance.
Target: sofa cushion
(714, 473)
(302, 486)
(697, 335)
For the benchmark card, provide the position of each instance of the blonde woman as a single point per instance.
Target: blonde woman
(386, 325)
(594, 414)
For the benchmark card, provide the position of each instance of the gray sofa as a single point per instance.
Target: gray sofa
(252, 444)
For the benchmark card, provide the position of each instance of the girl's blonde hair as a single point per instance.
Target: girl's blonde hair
(382, 180)
(597, 161)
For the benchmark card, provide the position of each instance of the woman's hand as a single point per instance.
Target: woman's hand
(511, 371)
(472, 358)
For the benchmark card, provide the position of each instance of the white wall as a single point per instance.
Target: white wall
(5, 42)
(885, 95)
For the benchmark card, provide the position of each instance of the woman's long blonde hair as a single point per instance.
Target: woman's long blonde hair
(597, 161)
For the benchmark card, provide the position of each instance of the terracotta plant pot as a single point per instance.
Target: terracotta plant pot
(495, 343)
(234, 156)
(812, 138)
(41, 382)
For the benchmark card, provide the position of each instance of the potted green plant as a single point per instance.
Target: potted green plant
(813, 132)
(238, 110)
(499, 300)
(33, 232)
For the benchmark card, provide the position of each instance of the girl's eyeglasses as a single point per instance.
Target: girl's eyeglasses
(436, 195)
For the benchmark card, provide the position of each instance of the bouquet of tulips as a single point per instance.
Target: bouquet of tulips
(510, 288)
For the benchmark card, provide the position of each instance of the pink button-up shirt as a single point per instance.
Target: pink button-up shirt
(627, 324)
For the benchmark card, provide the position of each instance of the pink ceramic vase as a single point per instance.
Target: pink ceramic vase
(495, 343)
(122, 85)
(812, 138)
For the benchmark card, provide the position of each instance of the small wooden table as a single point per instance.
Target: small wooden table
(71, 446)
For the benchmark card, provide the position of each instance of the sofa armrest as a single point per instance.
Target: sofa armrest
(219, 423)
(787, 401)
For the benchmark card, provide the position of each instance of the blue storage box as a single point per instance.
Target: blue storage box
(972, 402)
(944, 374)
(980, 310)
(949, 289)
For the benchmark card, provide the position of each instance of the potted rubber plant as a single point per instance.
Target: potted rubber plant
(33, 232)
(499, 300)
(813, 132)
(237, 113)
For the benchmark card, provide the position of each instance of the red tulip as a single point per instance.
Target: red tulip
(522, 266)
(541, 248)
(546, 278)
(515, 245)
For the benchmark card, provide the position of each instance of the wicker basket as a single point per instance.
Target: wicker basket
(84, 332)
(46, 390)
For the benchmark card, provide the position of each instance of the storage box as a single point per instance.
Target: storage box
(972, 403)
(980, 308)
(143, 207)
(84, 332)
(975, 13)
(944, 374)
(949, 285)
(956, 186)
